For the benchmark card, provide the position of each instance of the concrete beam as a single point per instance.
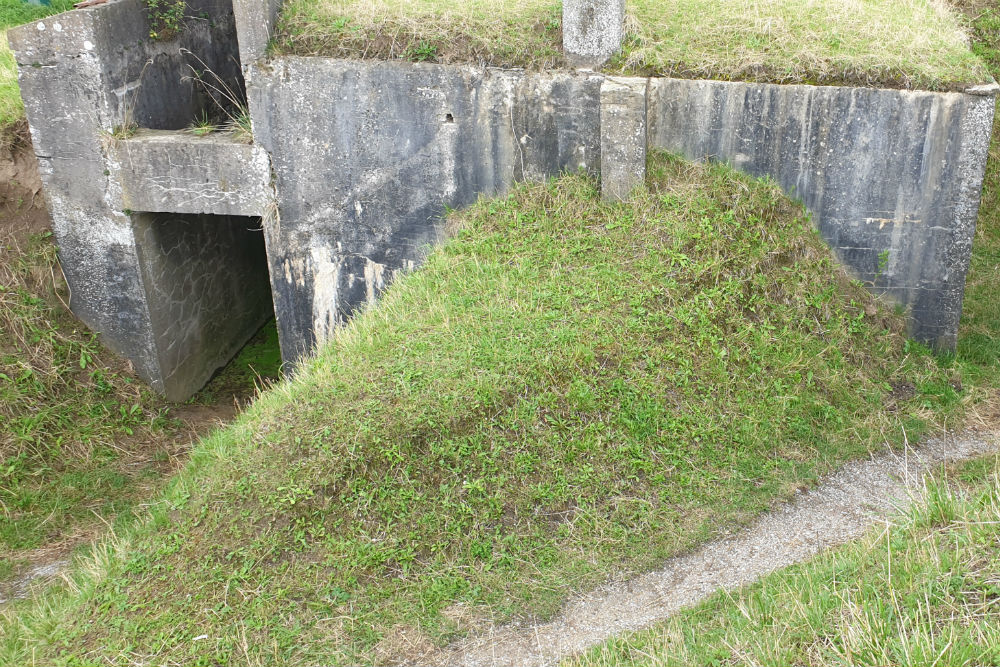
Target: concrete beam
(593, 30)
(623, 136)
(176, 172)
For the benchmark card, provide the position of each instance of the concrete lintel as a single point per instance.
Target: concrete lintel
(623, 136)
(176, 172)
(593, 30)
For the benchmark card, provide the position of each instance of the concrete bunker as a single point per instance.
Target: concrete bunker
(354, 163)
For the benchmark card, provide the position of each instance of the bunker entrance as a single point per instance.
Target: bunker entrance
(208, 292)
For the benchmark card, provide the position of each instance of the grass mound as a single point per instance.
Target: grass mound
(568, 388)
(894, 43)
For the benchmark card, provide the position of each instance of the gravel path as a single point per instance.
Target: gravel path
(842, 507)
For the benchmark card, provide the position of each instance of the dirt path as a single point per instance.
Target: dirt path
(842, 507)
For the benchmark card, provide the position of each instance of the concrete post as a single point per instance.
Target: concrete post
(623, 136)
(255, 25)
(593, 30)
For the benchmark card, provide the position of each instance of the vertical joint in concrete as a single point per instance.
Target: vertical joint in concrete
(593, 30)
(623, 136)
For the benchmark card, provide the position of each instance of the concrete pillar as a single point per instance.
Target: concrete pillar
(593, 30)
(255, 25)
(623, 136)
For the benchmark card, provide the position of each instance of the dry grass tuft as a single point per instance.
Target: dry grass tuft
(513, 33)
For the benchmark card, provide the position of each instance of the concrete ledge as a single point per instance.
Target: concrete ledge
(176, 172)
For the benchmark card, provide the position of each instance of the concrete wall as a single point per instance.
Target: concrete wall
(893, 178)
(366, 156)
(355, 163)
(255, 21)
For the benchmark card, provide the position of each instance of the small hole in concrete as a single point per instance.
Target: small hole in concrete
(448, 118)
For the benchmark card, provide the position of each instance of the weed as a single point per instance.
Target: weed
(228, 98)
(202, 125)
(241, 125)
(422, 52)
(166, 18)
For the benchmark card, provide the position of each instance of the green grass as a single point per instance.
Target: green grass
(80, 439)
(258, 365)
(924, 590)
(12, 13)
(492, 32)
(897, 43)
(568, 389)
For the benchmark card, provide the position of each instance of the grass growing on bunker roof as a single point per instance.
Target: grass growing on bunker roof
(569, 388)
(895, 43)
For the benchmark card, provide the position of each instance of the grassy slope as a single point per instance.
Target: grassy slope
(12, 13)
(82, 440)
(71, 416)
(928, 591)
(902, 43)
(568, 388)
(924, 590)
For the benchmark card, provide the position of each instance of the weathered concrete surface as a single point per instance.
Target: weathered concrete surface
(623, 136)
(207, 290)
(255, 23)
(82, 74)
(593, 30)
(164, 171)
(893, 178)
(367, 155)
